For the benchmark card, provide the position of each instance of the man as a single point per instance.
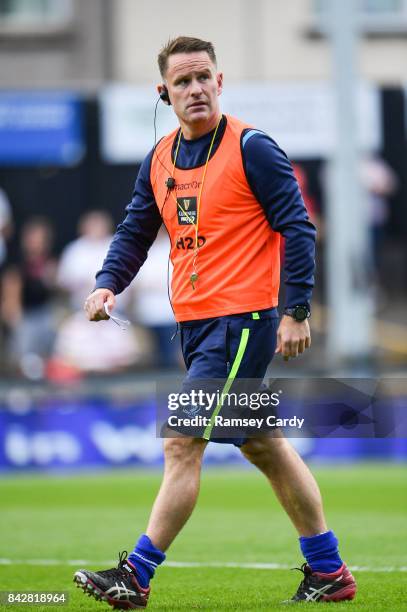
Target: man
(225, 193)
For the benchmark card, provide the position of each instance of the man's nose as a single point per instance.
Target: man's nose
(196, 88)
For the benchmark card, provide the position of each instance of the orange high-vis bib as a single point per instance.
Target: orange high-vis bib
(238, 259)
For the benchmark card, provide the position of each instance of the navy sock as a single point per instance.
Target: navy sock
(321, 552)
(145, 558)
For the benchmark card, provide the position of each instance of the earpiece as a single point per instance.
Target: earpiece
(164, 96)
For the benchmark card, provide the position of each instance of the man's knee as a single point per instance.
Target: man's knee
(263, 450)
(184, 450)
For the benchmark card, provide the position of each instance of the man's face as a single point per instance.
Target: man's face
(193, 86)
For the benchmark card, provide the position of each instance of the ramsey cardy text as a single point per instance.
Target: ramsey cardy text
(220, 421)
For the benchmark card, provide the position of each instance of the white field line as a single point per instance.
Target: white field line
(255, 566)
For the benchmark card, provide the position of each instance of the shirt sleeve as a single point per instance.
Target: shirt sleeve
(134, 236)
(271, 178)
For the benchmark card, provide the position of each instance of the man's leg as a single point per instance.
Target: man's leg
(291, 480)
(326, 577)
(129, 583)
(173, 505)
(179, 489)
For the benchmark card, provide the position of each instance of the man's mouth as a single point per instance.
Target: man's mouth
(197, 104)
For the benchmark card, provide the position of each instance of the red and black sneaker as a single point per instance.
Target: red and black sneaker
(117, 586)
(315, 586)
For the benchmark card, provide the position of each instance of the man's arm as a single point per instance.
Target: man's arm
(129, 247)
(272, 181)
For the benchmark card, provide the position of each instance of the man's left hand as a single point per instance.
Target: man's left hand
(293, 337)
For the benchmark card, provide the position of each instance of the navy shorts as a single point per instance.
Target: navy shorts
(240, 346)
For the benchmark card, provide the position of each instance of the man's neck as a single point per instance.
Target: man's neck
(192, 132)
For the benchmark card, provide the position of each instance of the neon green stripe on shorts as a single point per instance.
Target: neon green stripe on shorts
(232, 375)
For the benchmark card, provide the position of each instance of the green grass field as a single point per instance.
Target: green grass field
(237, 520)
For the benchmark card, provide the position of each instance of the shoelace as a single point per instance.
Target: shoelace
(119, 569)
(307, 575)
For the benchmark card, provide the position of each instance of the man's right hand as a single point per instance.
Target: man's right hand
(95, 304)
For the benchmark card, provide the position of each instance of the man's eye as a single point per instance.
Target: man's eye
(203, 77)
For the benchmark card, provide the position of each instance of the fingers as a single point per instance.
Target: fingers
(292, 346)
(287, 349)
(91, 308)
(111, 301)
(95, 310)
(94, 304)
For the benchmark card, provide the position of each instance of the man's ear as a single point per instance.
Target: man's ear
(219, 78)
(163, 93)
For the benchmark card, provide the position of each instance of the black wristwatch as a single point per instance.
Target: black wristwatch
(299, 312)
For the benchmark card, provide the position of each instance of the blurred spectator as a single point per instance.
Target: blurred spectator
(309, 200)
(5, 224)
(82, 258)
(380, 182)
(80, 344)
(310, 205)
(28, 288)
(152, 307)
(90, 348)
(5, 233)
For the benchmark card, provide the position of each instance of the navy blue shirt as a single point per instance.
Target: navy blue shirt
(271, 178)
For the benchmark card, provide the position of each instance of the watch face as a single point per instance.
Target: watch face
(300, 313)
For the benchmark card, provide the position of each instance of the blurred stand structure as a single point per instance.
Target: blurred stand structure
(76, 109)
(349, 299)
